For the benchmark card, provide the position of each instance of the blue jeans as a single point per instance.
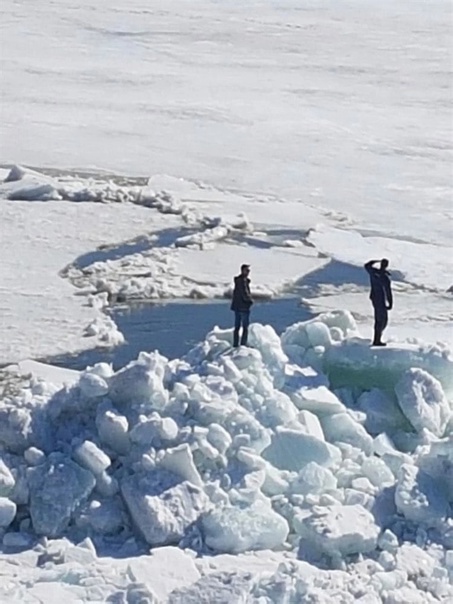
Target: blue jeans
(241, 319)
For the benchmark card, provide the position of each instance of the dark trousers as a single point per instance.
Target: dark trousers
(381, 318)
(241, 319)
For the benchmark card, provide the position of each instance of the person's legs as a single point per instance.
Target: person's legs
(237, 327)
(380, 323)
(245, 327)
(384, 321)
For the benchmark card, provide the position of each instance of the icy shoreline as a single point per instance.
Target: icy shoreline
(226, 452)
(85, 242)
(125, 243)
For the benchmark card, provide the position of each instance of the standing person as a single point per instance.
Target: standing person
(380, 296)
(241, 304)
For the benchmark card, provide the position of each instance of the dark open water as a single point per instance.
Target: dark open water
(175, 328)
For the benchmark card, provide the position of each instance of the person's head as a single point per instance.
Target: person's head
(245, 270)
(384, 264)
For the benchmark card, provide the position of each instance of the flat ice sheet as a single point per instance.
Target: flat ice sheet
(40, 311)
(273, 268)
(58, 376)
(346, 105)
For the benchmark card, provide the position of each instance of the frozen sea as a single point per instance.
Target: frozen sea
(147, 149)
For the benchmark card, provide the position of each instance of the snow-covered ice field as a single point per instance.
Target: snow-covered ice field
(166, 145)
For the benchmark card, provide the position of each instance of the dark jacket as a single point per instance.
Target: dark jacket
(381, 291)
(242, 298)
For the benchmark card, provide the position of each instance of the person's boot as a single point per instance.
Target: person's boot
(378, 342)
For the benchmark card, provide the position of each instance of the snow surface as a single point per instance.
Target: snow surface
(40, 314)
(346, 104)
(304, 138)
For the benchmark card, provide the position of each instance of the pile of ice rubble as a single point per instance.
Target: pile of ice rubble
(314, 444)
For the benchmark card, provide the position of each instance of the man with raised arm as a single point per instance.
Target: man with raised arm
(380, 296)
(241, 304)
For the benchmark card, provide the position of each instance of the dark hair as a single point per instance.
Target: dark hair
(384, 263)
(244, 267)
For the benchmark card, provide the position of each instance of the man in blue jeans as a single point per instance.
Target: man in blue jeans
(241, 304)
